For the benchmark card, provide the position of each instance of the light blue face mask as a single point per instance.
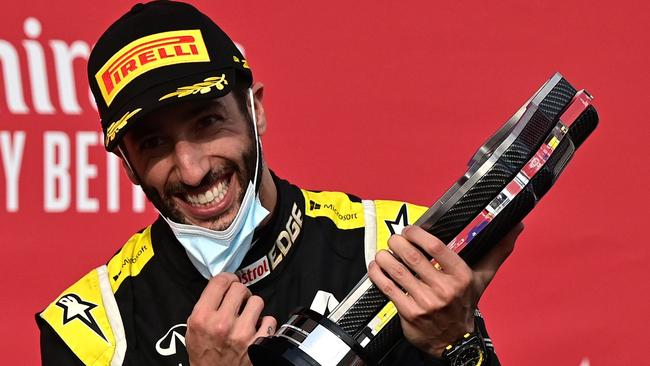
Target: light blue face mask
(213, 251)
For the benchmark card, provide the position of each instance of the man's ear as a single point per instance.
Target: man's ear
(258, 95)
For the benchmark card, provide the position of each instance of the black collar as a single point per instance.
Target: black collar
(265, 241)
(174, 257)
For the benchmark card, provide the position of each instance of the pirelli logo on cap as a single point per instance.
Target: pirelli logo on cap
(149, 53)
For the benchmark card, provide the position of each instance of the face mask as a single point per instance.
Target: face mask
(213, 251)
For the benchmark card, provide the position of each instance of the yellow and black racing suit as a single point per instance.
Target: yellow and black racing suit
(133, 310)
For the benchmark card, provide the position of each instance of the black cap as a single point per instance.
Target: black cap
(156, 54)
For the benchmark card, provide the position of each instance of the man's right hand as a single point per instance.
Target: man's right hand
(224, 323)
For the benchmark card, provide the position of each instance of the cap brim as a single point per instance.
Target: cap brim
(207, 85)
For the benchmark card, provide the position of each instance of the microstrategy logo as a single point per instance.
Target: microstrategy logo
(149, 53)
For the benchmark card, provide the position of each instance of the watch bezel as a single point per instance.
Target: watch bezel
(470, 340)
(473, 343)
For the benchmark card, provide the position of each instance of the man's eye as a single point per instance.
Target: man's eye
(151, 142)
(210, 121)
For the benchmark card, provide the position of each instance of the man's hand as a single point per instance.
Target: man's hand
(224, 323)
(438, 307)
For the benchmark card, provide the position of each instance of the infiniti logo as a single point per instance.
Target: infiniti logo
(166, 346)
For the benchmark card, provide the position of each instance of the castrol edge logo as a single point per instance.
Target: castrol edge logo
(148, 53)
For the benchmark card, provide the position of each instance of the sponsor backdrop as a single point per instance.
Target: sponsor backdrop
(383, 99)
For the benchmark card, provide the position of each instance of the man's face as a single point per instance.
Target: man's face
(194, 160)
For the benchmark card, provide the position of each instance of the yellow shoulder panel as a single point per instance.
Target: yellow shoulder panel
(336, 206)
(79, 315)
(80, 319)
(392, 217)
(131, 259)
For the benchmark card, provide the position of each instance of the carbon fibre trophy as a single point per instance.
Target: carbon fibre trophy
(506, 177)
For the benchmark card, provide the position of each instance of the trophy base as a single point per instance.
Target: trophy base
(307, 339)
(278, 351)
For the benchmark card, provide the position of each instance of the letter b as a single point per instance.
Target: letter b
(57, 173)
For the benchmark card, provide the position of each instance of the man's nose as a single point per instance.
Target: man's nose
(191, 164)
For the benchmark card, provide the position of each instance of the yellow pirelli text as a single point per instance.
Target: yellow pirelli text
(146, 54)
(337, 206)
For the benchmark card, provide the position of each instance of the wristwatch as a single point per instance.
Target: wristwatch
(468, 351)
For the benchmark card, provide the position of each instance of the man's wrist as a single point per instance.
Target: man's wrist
(469, 350)
(436, 349)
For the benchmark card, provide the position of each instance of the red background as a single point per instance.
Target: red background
(389, 100)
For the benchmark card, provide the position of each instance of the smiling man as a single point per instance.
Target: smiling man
(236, 249)
(206, 184)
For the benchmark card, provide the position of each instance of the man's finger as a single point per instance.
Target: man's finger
(267, 327)
(214, 292)
(414, 259)
(397, 271)
(251, 313)
(232, 302)
(450, 262)
(388, 287)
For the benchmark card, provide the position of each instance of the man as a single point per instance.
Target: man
(179, 106)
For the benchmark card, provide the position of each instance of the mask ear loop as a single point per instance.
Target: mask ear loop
(128, 163)
(258, 143)
(258, 147)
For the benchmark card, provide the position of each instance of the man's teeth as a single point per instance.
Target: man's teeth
(215, 194)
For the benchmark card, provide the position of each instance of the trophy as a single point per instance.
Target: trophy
(506, 177)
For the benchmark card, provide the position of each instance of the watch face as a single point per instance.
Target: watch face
(472, 355)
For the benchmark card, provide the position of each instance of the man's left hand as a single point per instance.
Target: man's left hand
(438, 306)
